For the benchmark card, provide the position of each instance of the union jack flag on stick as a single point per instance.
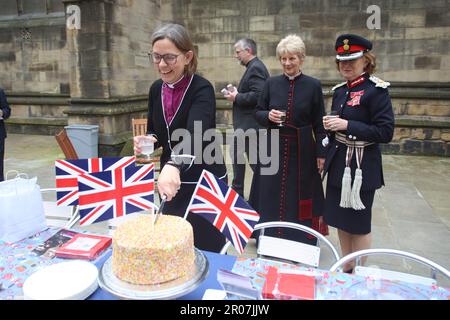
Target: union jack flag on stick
(68, 170)
(224, 208)
(112, 194)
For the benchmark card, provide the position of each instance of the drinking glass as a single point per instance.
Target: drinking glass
(332, 114)
(147, 147)
(282, 118)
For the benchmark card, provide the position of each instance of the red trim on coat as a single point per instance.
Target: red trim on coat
(305, 209)
(283, 182)
(357, 81)
(285, 160)
(319, 227)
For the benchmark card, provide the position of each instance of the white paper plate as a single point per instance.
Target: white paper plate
(72, 280)
(213, 294)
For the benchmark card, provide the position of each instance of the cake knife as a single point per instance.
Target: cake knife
(159, 212)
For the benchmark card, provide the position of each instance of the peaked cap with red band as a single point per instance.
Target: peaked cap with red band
(351, 46)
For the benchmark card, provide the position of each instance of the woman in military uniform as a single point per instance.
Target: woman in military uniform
(353, 162)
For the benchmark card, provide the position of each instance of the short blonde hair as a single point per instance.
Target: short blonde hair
(291, 44)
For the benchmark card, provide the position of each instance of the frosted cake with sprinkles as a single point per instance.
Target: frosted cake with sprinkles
(144, 253)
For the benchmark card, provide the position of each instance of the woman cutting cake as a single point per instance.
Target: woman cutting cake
(179, 102)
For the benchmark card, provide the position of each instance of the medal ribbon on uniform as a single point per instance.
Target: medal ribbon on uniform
(356, 98)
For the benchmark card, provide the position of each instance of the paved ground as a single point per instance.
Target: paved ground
(411, 213)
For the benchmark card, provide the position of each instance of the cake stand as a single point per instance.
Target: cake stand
(167, 290)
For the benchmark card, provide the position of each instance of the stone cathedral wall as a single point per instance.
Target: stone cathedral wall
(100, 74)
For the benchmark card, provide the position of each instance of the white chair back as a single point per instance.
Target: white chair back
(287, 249)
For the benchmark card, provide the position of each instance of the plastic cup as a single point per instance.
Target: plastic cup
(147, 148)
(329, 116)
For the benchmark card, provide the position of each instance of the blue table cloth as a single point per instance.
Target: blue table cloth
(342, 286)
(17, 263)
(216, 261)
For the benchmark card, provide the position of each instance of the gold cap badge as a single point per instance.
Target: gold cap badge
(346, 47)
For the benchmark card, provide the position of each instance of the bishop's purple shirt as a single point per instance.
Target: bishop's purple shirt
(172, 96)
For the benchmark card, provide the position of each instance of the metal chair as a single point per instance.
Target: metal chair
(388, 274)
(57, 216)
(289, 250)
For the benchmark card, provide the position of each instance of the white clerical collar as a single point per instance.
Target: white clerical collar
(172, 85)
(293, 77)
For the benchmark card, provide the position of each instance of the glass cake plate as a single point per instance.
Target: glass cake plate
(167, 290)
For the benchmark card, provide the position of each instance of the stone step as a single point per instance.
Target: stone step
(35, 125)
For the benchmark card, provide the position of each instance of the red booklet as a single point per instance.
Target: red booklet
(288, 286)
(83, 246)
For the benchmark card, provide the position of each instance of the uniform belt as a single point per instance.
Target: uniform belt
(342, 138)
(350, 195)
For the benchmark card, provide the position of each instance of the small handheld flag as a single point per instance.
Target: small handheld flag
(68, 170)
(224, 208)
(112, 194)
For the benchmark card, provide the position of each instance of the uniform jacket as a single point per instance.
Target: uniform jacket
(6, 113)
(366, 104)
(250, 87)
(198, 105)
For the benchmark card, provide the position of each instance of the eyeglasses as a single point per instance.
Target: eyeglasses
(169, 58)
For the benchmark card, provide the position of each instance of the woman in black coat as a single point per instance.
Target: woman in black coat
(353, 163)
(181, 102)
(294, 193)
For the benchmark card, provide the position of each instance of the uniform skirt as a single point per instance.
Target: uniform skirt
(348, 219)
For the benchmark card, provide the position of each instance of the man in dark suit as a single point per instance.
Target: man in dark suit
(5, 112)
(244, 99)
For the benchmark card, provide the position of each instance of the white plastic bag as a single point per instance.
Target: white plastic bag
(21, 208)
(20, 182)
